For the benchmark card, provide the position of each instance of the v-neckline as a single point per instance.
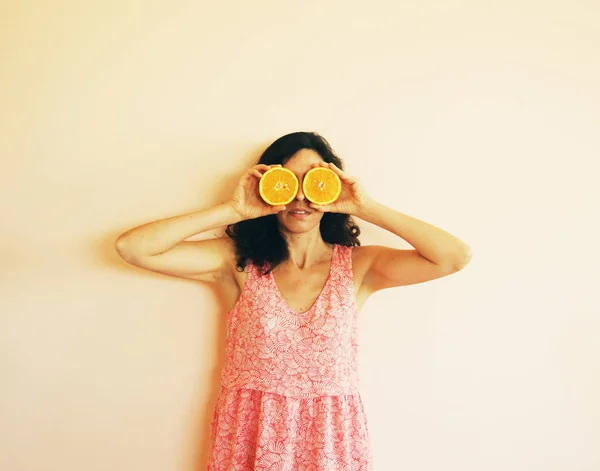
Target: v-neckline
(318, 298)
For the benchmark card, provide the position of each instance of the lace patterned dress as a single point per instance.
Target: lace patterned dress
(289, 397)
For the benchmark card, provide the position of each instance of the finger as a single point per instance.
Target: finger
(320, 208)
(330, 165)
(340, 173)
(343, 175)
(256, 173)
(261, 167)
(278, 209)
(337, 170)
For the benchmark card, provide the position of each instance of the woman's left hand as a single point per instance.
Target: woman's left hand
(352, 199)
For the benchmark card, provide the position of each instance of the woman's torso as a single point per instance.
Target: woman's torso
(298, 298)
(310, 351)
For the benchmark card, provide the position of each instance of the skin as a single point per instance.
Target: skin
(160, 246)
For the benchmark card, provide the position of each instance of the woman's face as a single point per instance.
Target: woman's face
(299, 217)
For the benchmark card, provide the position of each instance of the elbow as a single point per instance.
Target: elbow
(124, 248)
(462, 259)
(456, 261)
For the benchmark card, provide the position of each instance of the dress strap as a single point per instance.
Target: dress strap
(254, 273)
(344, 260)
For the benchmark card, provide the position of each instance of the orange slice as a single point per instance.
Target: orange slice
(278, 186)
(321, 186)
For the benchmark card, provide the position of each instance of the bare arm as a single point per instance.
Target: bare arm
(161, 246)
(436, 253)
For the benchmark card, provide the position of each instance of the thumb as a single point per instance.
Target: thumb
(278, 209)
(322, 208)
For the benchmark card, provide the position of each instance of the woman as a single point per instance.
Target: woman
(294, 279)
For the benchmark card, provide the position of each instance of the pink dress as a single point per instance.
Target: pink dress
(289, 397)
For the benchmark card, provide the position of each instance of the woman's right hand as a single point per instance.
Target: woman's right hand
(246, 200)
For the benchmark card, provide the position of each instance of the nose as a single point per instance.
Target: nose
(300, 194)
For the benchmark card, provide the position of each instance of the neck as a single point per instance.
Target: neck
(306, 249)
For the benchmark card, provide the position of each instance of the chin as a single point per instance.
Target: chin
(290, 225)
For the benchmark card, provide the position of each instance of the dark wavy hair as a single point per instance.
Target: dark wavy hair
(259, 241)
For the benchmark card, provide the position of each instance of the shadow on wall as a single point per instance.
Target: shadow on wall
(106, 256)
(200, 438)
(200, 435)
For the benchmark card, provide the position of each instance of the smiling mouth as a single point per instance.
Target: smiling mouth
(300, 212)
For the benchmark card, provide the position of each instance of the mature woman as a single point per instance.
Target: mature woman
(294, 279)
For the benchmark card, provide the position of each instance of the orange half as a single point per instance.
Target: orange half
(321, 186)
(278, 186)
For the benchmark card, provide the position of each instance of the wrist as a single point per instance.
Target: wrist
(232, 214)
(366, 209)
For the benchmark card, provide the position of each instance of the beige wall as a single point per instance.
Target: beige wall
(480, 117)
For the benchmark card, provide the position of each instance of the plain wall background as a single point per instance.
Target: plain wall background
(479, 117)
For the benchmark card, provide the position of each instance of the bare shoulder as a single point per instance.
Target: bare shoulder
(233, 273)
(361, 260)
(225, 247)
(381, 267)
